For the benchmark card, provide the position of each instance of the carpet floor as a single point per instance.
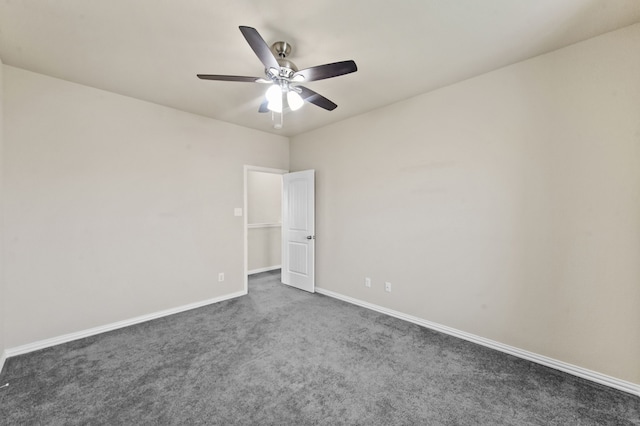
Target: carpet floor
(280, 356)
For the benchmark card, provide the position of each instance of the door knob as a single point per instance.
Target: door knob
(310, 237)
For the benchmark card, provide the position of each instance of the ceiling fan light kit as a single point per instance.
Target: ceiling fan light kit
(285, 94)
(276, 100)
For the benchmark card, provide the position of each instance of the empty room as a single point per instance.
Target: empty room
(324, 212)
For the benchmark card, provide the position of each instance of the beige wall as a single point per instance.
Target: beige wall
(264, 197)
(264, 248)
(116, 207)
(507, 206)
(264, 200)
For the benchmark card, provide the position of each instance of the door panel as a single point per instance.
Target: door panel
(298, 254)
(298, 229)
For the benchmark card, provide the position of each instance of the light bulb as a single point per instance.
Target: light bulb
(274, 98)
(294, 100)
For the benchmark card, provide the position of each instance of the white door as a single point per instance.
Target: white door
(298, 229)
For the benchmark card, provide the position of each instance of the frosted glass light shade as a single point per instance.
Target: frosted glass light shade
(294, 100)
(274, 98)
(273, 93)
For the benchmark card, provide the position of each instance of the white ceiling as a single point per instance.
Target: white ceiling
(153, 49)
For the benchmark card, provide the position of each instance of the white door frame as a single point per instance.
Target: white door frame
(248, 169)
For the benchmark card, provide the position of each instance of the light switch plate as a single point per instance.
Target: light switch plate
(237, 211)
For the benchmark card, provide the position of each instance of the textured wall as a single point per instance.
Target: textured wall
(506, 205)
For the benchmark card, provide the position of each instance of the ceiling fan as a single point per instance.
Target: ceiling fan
(284, 77)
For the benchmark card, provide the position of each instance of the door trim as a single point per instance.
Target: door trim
(245, 216)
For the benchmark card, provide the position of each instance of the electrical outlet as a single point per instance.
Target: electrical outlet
(367, 282)
(221, 277)
(387, 287)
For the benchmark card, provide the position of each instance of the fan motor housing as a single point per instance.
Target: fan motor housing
(282, 49)
(287, 68)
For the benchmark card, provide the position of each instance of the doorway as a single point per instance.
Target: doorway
(262, 220)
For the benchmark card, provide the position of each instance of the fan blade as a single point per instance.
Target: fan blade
(260, 47)
(232, 78)
(263, 106)
(321, 72)
(312, 97)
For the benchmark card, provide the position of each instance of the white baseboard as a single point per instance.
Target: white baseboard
(265, 269)
(30, 347)
(584, 373)
(3, 358)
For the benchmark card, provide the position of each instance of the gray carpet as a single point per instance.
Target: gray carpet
(280, 356)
